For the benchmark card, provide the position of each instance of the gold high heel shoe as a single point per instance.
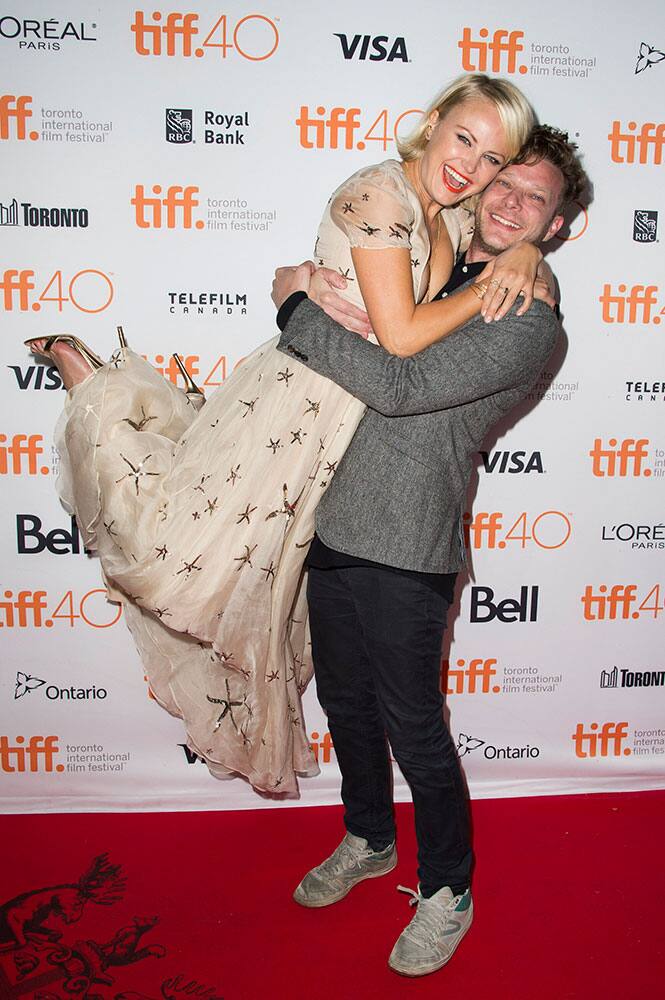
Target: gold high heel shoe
(64, 338)
(192, 391)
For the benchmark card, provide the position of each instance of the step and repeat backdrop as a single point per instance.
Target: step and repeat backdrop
(157, 165)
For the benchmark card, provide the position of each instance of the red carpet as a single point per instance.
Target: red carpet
(566, 890)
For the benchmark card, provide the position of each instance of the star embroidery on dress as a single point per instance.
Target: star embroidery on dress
(196, 515)
(233, 475)
(278, 782)
(395, 233)
(322, 446)
(116, 358)
(346, 274)
(225, 657)
(314, 407)
(348, 207)
(284, 376)
(296, 436)
(136, 471)
(162, 613)
(244, 516)
(365, 197)
(109, 529)
(200, 488)
(250, 710)
(274, 445)
(90, 408)
(246, 742)
(246, 559)
(245, 672)
(162, 510)
(188, 567)
(321, 262)
(272, 676)
(287, 508)
(220, 615)
(370, 230)
(212, 506)
(331, 467)
(269, 572)
(162, 552)
(228, 704)
(215, 423)
(415, 263)
(402, 229)
(249, 405)
(139, 425)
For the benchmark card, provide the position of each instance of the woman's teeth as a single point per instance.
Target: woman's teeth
(454, 180)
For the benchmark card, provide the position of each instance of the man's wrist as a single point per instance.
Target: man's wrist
(287, 308)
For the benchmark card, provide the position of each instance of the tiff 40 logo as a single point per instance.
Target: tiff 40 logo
(29, 609)
(549, 530)
(639, 304)
(254, 36)
(89, 290)
(342, 128)
(620, 602)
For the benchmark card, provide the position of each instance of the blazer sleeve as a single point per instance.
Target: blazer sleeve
(478, 360)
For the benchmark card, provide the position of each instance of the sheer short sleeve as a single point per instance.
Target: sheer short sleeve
(373, 211)
(460, 223)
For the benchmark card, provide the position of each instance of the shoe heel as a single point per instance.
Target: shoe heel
(121, 337)
(192, 391)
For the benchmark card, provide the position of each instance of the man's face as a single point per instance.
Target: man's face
(519, 204)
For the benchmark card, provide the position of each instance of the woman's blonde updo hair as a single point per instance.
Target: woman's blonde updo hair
(516, 114)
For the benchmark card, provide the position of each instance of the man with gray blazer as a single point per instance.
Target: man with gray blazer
(389, 544)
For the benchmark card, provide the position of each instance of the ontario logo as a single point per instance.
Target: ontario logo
(253, 37)
(468, 744)
(33, 753)
(26, 684)
(647, 57)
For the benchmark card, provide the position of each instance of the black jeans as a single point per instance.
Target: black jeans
(376, 642)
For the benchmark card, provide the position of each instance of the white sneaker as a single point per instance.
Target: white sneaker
(437, 928)
(352, 862)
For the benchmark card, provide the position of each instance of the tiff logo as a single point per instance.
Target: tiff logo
(14, 114)
(382, 48)
(475, 52)
(23, 446)
(26, 611)
(625, 460)
(645, 226)
(16, 281)
(344, 120)
(606, 743)
(472, 678)
(38, 755)
(178, 201)
(640, 300)
(649, 143)
(148, 37)
(618, 602)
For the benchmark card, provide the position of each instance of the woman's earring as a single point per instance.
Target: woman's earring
(428, 133)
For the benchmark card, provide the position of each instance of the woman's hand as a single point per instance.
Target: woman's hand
(323, 290)
(513, 273)
(291, 279)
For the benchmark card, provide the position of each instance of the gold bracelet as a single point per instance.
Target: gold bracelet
(479, 288)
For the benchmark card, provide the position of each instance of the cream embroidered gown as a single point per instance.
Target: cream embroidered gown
(202, 520)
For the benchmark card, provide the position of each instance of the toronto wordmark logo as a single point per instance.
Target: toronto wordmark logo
(645, 226)
(647, 57)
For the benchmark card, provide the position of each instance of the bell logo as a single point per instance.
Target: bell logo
(610, 604)
(14, 114)
(178, 202)
(503, 43)
(23, 446)
(30, 539)
(649, 142)
(640, 301)
(322, 748)
(38, 755)
(484, 608)
(472, 678)
(254, 37)
(605, 741)
(359, 45)
(625, 459)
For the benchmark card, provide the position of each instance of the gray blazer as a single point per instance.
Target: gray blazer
(398, 494)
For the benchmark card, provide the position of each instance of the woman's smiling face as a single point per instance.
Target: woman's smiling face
(466, 151)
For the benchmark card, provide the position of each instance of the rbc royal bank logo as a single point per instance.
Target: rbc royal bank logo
(645, 226)
(179, 125)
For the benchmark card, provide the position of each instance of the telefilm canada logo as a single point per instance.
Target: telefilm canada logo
(24, 213)
(645, 226)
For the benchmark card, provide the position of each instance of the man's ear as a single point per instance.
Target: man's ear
(553, 228)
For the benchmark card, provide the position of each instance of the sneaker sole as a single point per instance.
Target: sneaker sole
(435, 968)
(336, 899)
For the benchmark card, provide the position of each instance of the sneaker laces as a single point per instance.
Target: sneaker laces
(345, 857)
(429, 919)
